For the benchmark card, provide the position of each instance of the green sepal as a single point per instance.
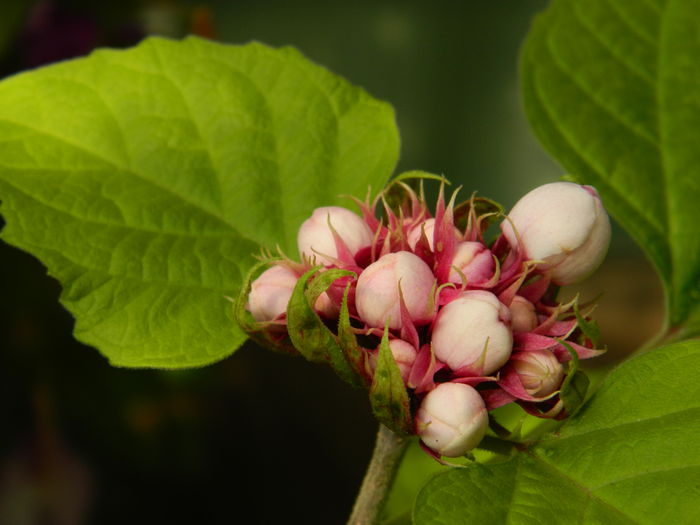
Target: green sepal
(588, 328)
(416, 175)
(355, 356)
(395, 194)
(261, 333)
(310, 336)
(573, 389)
(387, 395)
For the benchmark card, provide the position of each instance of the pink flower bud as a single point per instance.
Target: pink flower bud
(270, 293)
(475, 262)
(315, 237)
(472, 333)
(564, 225)
(404, 354)
(377, 294)
(523, 315)
(539, 371)
(326, 307)
(427, 226)
(452, 419)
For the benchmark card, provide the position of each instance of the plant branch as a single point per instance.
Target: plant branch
(388, 451)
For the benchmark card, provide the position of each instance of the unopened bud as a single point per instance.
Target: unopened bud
(540, 372)
(452, 419)
(270, 293)
(404, 354)
(523, 315)
(564, 225)
(427, 226)
(315, 237)
(377, 296)
(474, 261)
(326, 307)
(472, 333)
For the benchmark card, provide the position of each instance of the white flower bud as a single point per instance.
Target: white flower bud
(452, 419)
(523, 315)
(270, 293)
(475, 262)
(377, 294)
(473, 333)
(539, 371)
(315, 237)
(564, 225)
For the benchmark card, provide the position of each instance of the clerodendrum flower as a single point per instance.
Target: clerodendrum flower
(469, 325)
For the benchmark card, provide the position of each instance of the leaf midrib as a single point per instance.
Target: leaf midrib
(125, 170)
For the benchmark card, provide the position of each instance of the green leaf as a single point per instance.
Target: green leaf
(630, 455)
(145, 180)
(355, 356)
(415, 470)
(612, 89)
(307, 331)
(387, 394)
(573, 389)
(589, 329)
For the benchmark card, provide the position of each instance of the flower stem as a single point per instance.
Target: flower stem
(388, 451)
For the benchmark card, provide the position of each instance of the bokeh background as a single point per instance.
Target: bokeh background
(260, 437)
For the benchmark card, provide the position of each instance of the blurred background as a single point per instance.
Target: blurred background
(260, 437)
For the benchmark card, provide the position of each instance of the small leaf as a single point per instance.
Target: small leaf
(355, 356)
(388, 396)
(589, 328)
(612, 89)
(575, 386)
(309, 335)
(145, 179)
(395, 195)
(573, 391)
(630, 455)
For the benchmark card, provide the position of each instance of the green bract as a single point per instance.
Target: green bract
(146, 179)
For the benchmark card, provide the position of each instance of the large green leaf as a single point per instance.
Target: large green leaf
(612, 89)
(631, 455)
(145, 179)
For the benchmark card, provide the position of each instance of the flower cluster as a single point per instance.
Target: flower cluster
(439, 324)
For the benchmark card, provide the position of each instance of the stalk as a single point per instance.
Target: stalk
(386, 457)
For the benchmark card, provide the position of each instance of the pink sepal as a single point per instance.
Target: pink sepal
(424, 368)
(552, 327)
(530, 341)
(408, 328)
(444, 237)
(473, 380)
(563, 355)
(534, 291)
(496, 398)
